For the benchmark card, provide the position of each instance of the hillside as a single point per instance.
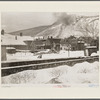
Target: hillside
(31, 31)
(82, 26)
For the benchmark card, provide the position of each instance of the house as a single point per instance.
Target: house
(53, 43)
(43, 44)
(64, 45)
(10, 44)
(74, 43)
(17, 42)
(38, 45)
(27, 40)
(72, 40)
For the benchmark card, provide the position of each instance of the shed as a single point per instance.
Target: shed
(90, 49)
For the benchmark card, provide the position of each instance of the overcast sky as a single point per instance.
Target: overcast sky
(11, 21)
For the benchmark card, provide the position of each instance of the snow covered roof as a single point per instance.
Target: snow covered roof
(80, 41)
(91, 47)
(8, 39)
(10, 48)
(25, 38)
(12, 42)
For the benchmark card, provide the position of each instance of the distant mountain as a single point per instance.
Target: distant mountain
(60, 30)
(31, 31)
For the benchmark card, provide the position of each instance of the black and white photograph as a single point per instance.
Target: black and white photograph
(56, 49)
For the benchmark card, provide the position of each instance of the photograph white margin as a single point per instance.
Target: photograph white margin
(41, 92)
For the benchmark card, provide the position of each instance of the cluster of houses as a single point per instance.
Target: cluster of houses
(54, 44)
(12, 44)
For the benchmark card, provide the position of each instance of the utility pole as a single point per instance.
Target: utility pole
(68, 50)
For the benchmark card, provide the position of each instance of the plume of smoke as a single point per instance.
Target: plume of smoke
(64, 18)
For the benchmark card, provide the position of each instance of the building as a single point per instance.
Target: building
(43, 44)
(90, 49)
(38, 45)
(72, 40)
(17, 42)
(3, 53)
(80, 44)
(10, 50)
(95, 42)
(53, 43)
(75, 43)
(64, 45)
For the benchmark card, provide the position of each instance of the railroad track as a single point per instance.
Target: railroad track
(8, 68)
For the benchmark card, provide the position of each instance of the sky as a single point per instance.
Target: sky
(14, 21)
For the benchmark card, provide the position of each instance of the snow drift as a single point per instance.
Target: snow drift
(81, 73)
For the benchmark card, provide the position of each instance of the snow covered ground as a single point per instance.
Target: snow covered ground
(31, 56)
(80, 74)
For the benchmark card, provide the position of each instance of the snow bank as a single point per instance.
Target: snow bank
(94, 54)
(31, 56)
(21, 56)
(81, 73)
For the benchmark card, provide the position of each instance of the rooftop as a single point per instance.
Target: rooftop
(8, 39)
(91, 47)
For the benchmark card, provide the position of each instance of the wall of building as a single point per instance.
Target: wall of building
(3, 53)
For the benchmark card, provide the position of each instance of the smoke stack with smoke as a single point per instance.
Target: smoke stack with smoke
(64, 18)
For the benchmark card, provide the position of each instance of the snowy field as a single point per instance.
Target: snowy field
(80, 74)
